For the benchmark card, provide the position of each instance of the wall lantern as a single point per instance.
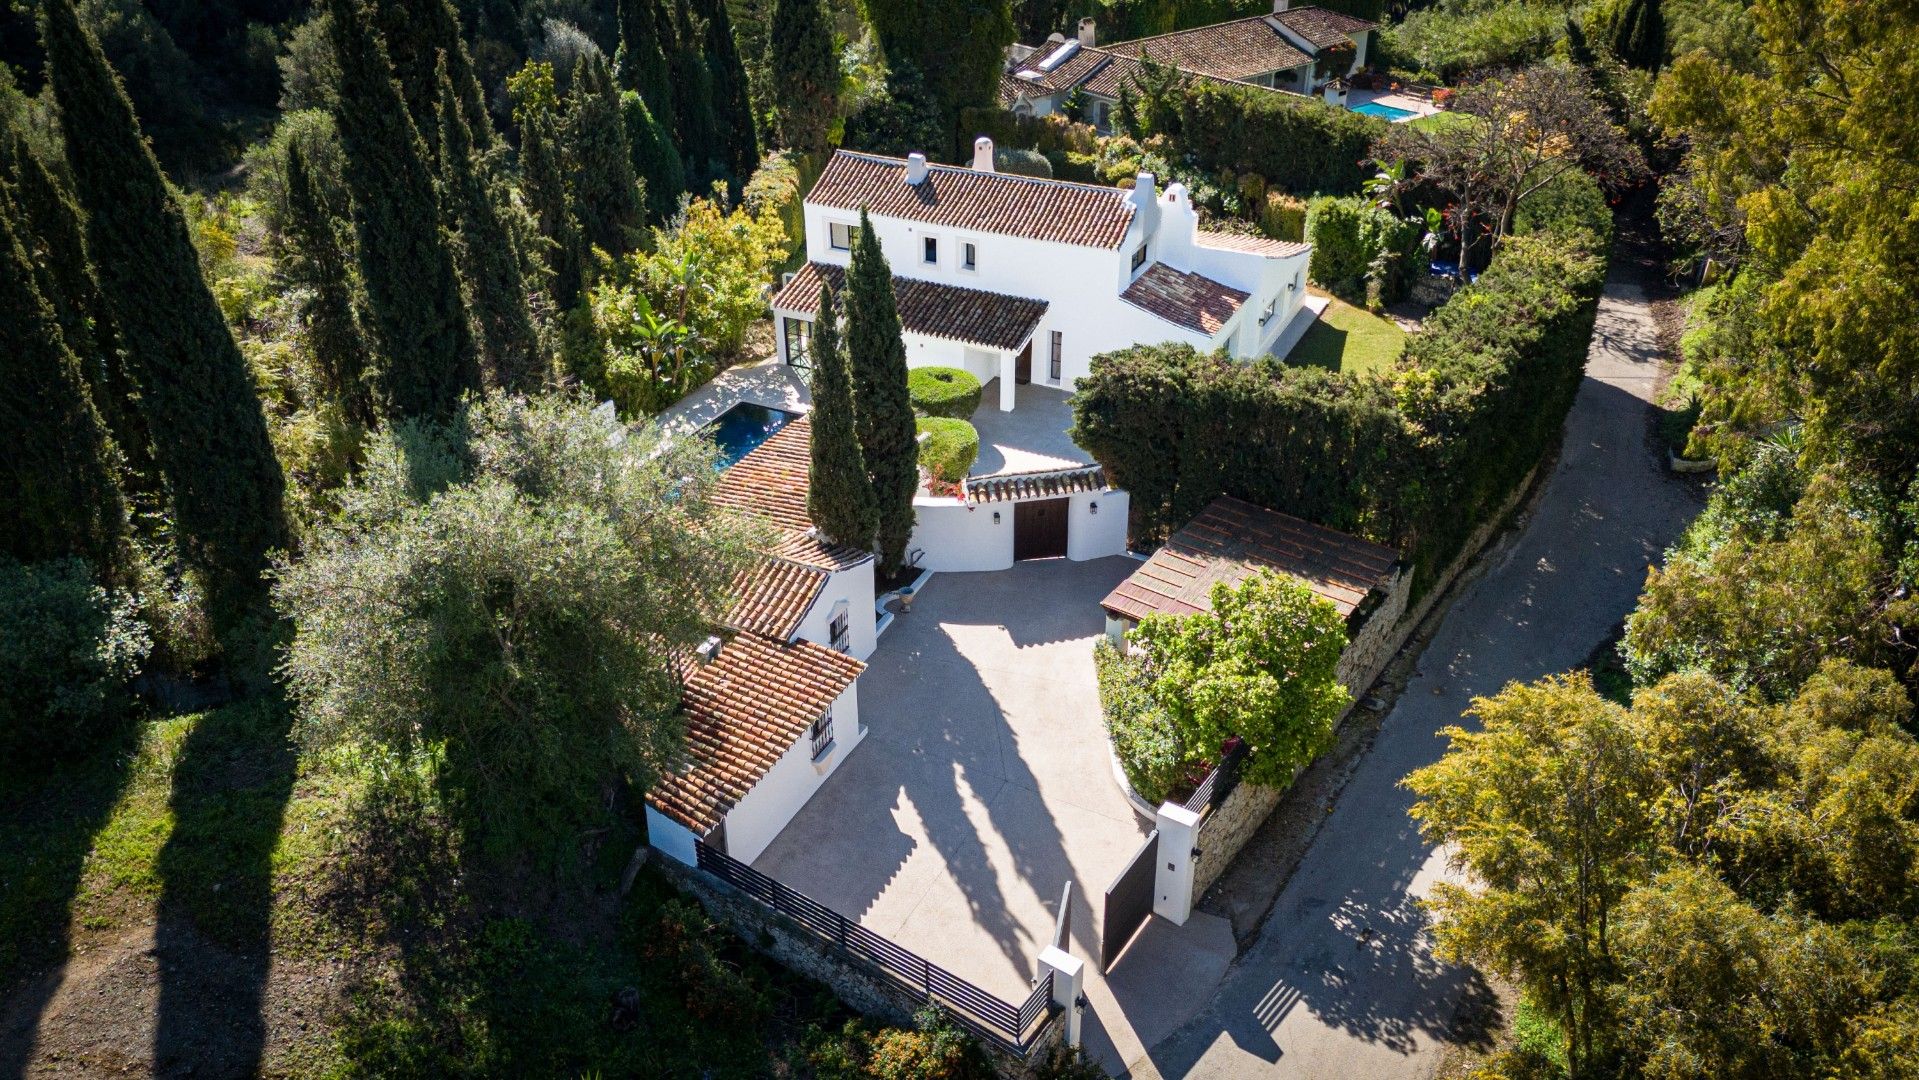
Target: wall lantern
(996, 517)
(1092, 508)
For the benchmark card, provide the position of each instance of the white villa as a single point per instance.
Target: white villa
(1303, 50)
(1023, 280)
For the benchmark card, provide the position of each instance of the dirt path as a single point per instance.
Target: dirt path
(1341, 981)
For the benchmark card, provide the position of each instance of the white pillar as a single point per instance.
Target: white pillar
(1008, 368)
(1069, 978)
(1173, 876)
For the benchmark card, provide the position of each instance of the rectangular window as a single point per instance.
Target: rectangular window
(797, 332)
(1271, 306)
(969, 257)
(841, 235)
(822, 734)
(930, 248)
(1139, 257)
(1054, 356)
(839, 628)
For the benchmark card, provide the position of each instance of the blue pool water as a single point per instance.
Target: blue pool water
(1374, 108)
(741, 428)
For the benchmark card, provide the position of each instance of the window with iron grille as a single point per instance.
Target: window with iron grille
(822, 734)
(1053, 358)
(839, 628)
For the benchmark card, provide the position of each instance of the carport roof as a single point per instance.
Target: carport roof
(995, 320)
(1229, 541)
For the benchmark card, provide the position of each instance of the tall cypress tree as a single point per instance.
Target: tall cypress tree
(882, 408)
(640, 61)
(732, 104)
(839, 496)
(322, 262)
(656, 161)
(694, 123)
(406, 263)
(496, 293)
(606, 193)
(57, 490)
(543, 183)
(416, 33)
(209, 433)
(806, 74)
(1639, 35)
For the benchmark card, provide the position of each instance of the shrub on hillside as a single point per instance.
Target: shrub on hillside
(944, 391)
(949, 448)
(67, 649)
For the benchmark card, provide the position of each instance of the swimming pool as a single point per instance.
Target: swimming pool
(741, 428)
(1374, 108)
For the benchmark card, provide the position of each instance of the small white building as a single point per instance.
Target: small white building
(1024, 280)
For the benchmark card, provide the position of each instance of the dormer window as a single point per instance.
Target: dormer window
(842, 236)
(930, 250)
(1139, 257)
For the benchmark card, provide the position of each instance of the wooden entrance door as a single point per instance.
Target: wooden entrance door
(1023, 367)
(1039, 529)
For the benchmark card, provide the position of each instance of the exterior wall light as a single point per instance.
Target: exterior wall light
(1092, 508)
(996, 517)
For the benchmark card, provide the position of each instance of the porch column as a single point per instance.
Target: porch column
(1008, 369)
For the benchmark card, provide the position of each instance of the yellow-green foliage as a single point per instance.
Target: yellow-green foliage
(949, 448)
(1283, 216)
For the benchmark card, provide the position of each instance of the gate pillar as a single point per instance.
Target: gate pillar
(1069, 979)
(1173, 874)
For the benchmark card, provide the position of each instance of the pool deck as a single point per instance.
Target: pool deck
(1416, 105)
(766, 382)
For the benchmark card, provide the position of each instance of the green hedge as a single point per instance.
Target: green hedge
(1283, 217)
(1297, 144)
(1416, 458)
(1152, 751)
(1355, 241)
(950, 447)
(944, 391)
(1568, 204)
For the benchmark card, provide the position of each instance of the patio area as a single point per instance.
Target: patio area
(1031, 437)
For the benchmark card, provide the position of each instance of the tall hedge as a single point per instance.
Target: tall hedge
(1301, 145)
(1415, 459)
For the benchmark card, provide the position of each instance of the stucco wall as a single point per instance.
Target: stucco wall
(855, 586)
(1095, 534)
(951, 535)
(758, 817)
(669, 837)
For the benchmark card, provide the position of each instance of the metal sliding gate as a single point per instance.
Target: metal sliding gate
(1128, 902)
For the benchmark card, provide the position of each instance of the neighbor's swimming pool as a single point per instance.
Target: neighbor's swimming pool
(741, 428)
(1374, 108)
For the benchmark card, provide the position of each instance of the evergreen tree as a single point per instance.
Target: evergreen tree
(606, 194)
(882, 408)
(694, 125)
(406, 263)
(656, 161)
(209, 433)
(839, 496)
(57, 491)
(321, 261)
(957, 45)
(640, 61)
(806, 74)
(544, 185)
(1639, 35)
(732, 106)
(496, 293)
(416, 33)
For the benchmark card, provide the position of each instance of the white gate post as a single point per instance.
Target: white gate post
(1069, 978)
(1173, 875)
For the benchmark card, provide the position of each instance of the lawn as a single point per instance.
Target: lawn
(1349, 339)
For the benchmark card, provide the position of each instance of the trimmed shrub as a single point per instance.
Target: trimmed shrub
(1069, 165)
(1333, 227)
(944, 391)
(1012, 159)
(949, 449)
(1570, 203)
(1296, 144)
(1283, 217)
(1151, 751)
(67, 649)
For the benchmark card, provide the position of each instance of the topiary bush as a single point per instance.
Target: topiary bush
(949, 448)
(67, 649)
(943, 391)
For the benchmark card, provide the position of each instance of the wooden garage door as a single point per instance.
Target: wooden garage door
(1039, 529)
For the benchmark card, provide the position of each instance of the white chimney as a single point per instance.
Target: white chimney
(982, 154)
(1146, 205)
(1143, 189)
(709, 650)
(1086, 29)
(1281, 5)
(916, 168)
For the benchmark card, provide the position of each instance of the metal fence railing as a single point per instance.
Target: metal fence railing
(986, 1015)
(1220, 782)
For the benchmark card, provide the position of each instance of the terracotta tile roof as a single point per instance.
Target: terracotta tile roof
(771, 482)
(960, 198)
(1252, 245)
(995, 320)
(744, 710)
(1232, 538)
(1041, 483)
(1106, 79)
(774, 596)
(1193, 301)
(1076, 68)
(1326, 29)
(815, 552)
(1228, 50)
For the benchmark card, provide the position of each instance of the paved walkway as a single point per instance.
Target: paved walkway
(1342, 981)
(763, 382)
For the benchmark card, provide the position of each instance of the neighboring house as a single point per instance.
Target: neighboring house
(1023, 280)
(772, 704)
(1231, 539)
(1304, 50)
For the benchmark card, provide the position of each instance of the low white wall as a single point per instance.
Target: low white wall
(758, 817)
(670, 838)
(1095, 535)
(952, 535)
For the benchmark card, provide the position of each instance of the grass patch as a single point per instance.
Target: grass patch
(1350, 339)
(1536, 1033)
(1435, 123)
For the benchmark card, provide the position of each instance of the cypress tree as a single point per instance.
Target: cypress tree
(806, 74)
(640, 61)
(406, 263)
(416, 33)
(839, 495)
(656, 161)
(57, 491)
(543, 183)
(209, 433)
(606, 193)
(732, 104)
(882, 408)
(322, 263)
(694, 124)
(1639, 35)
(496, 293)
